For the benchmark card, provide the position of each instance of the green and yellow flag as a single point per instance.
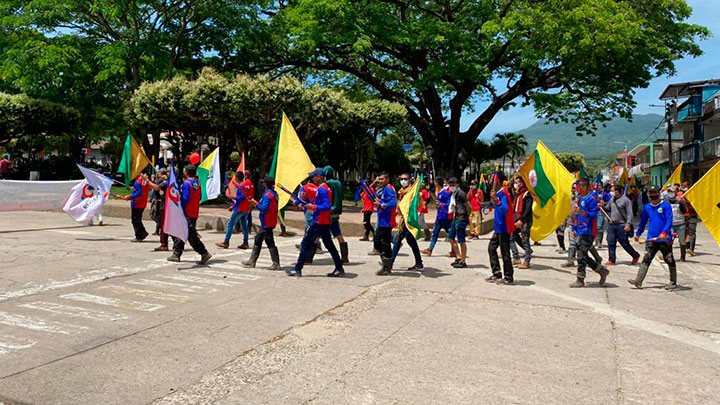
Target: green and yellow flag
(623, 179)
(408, 206)
(674, 177)
(133, 160)
(291, 163)
(209, 175)
(704, 196)
(550, 184)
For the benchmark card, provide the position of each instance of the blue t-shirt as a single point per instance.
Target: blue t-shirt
(660, 220)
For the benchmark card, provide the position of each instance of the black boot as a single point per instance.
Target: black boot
(386, 268)
(344, 253)
(310, 254)
(428, 235)
(683, 250)
(275, 257)
(642, 272)
(250, 262)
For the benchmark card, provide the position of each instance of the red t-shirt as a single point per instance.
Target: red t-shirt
(422, 205)
(475, 197)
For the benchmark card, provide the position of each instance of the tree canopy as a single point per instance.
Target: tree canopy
(21, 115)
(574, 60)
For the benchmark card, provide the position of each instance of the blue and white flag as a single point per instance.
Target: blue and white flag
(87, 198)
(174, 223)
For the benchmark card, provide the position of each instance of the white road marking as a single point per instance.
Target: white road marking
(176, 286)
(92, 276)
(112, 302)
(657, 328)
(193, 279)
(232, 276)
(259, 266)
(74, 311)
(10, 343)
(71, 232)
(146, 293)
(22, 321)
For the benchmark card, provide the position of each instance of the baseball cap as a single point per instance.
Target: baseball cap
(319, 171)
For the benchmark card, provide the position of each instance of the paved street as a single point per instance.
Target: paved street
(86, 317)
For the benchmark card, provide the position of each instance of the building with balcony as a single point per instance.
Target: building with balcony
(650, 161)
(695, 112)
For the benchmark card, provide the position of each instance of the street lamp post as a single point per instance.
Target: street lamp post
(429, 150)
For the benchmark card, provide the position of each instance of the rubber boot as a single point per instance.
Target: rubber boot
(275, 257)
(642, 272)
(344, 253)
(250, 262)
(386, 268)
(673, 279)
(311, 254)
(428, 235)
(683, 251)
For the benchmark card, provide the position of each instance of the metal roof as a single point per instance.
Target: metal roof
(680, 90)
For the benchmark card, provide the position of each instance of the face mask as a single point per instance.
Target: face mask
(472, 186)
(404, 183)
(453, 188)
(655, 197)
(446, 186)
(516, 186)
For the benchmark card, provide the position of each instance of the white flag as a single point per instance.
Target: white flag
(174, 223)
(84, 202)
(96, 180)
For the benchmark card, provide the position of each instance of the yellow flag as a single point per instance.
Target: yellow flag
(133, 160)
(705, 198)
(291, 163)
(550, 184)
(623, 178)
(408, 207)
(674, 177)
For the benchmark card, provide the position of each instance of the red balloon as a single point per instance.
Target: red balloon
(195, 158)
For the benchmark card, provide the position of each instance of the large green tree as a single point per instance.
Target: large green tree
(573, 60)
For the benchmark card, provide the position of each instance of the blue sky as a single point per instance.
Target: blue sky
(688, 69)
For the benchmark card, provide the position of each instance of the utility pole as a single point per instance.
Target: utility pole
(669, 110)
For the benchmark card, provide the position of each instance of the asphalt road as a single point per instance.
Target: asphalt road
(87, 317)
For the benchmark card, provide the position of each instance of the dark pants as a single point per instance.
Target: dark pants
(691, 230)
(522, 238)
(383, 237)
(366, 222)
(405, 234)
(136, 220)
(163, 236)
(616, 233)
(651, 250)
(195, 242)
(312, 233)
(501, 240)
(584, 244)
(264, 234)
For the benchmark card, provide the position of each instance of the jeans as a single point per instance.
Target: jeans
(439, 224)
(366, 223)
(501, 240)
(136, 220)
(316, 230)
(195, 242)
(584, 244)
(475, 221)
(383, 236)
(234, 218)
(514, 249)
(397, 244)
(680, 231)
(616, 233)
(248, 220)
(600, 225)
(691, 228)
(522, 238)
(457, 231)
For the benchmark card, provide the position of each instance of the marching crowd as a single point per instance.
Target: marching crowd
(598, 210)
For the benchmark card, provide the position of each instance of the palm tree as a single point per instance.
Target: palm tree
(517, 146)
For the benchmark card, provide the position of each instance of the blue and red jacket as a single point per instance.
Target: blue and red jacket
(268, 207)
(139, 195)
(660, 220)
(586, 224)
(241, 202)
(503, 216)
(190, 195)
(386, 216)
(443, 200)
(323, 205)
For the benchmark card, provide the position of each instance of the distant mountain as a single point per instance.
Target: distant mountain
(563, 138)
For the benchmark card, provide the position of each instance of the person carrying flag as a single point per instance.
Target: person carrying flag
(476, 198)
(268, 209)
(403, 232)
(658, 217)
(423, 209)
(250, 195)
(336, 210)
(603, 196)
(320, 227)
(158, 201)
(190, 195)
(367, 208)
(585, 215)
(240, 209)
(522, 208)
(503, 227)
(442, 219)
(386, 203)
(138, 201)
